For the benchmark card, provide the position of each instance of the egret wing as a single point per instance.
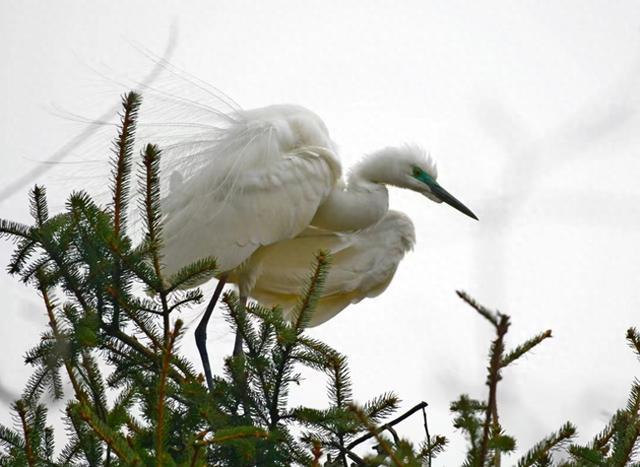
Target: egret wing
(363, 265)
(262, 182)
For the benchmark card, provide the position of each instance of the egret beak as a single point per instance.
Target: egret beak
(451, 200)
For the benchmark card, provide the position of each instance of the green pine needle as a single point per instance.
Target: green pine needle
(522, 349)
(544, 447)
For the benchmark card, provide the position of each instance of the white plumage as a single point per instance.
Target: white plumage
(262, 192)
(364, 262)
(264, 178)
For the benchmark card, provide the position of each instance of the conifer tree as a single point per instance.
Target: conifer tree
(135, 400)
(151, 407)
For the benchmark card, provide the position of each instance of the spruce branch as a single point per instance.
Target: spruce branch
(543, 448)
(491, 316)
(627, 429)
(468, 419)
(136, 265)
(633, 338)
(196, 456)
(435, 447)
(80, 394)
(302, 314)
(150, 205)
(71, 279)
(149, 355)
(133, 313)
(46, 374)
(431, 448)
(190, 297)
(152, 216)
(14, 230)
(192, 274)
(312, 291)
(25, 249)
(92, 377)
(493, 378)
(382, 406)
(20, 408)
(601, 440)
(164, 370)
(121, 163)
(112, 438)
(584, 456)
(340, 389)
(520, 350)
(257, 346)
(340, 383)
(39, 208)
(492, 436)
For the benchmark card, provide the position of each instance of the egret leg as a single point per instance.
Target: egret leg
(201, 332)
(237, 346)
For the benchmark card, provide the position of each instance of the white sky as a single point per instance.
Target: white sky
(530, 109)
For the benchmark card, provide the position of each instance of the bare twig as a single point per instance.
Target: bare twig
(386, 426)
(375, 432)
(426, 431)
(350, 454)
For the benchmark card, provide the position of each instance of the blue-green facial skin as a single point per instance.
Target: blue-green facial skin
(440, 193)
(424, 177)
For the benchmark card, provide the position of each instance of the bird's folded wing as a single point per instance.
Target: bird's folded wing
(362, 262)
(255, 191)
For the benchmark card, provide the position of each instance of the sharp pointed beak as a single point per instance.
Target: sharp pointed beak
(451, 200)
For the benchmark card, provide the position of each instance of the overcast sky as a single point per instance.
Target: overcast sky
(530, 108)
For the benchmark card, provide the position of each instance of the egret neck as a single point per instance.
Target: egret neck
(359, 203)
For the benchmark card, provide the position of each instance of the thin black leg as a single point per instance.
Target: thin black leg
(201, 332)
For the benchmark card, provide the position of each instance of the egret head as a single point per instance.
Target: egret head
(410, 167)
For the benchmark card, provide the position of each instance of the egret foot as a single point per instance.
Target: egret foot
(201, 332)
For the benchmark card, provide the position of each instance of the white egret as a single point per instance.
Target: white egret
(264, 177)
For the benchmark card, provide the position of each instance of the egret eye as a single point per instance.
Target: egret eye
(416, 172)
